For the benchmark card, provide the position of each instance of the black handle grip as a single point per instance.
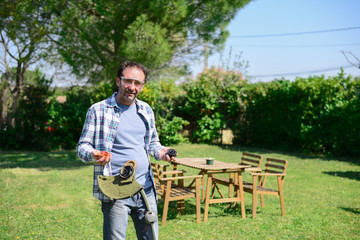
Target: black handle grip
(171, 152)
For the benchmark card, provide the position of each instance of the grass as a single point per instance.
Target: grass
(48, 195)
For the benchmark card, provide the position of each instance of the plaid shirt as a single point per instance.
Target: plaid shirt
(99, 133)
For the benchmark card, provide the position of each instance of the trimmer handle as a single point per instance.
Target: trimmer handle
(171, 152)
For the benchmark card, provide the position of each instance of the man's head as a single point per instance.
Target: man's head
(130, 79)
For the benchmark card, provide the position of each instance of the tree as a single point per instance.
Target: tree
(93, 37)
(354, 57)
(24, 26)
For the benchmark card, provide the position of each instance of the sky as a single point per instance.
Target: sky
(327, 24)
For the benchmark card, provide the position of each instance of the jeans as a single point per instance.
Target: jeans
(116, 214)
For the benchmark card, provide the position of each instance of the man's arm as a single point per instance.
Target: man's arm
(86, 142)
(157, 150)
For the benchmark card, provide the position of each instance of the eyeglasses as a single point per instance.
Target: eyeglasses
(128, 82)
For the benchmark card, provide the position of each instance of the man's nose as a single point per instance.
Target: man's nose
(132, 85)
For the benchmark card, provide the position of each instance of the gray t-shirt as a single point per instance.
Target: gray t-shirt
(129, 144)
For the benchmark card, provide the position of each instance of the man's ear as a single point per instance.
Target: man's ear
(118, 81)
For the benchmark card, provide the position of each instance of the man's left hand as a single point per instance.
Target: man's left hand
(166, 157)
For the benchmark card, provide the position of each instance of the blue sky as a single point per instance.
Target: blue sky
(281, 56)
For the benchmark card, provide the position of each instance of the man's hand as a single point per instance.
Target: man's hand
(168, 154)
(101, 158)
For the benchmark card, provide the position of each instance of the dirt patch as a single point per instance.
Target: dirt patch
(227, 137)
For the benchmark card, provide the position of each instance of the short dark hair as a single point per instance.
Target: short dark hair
(129, 64)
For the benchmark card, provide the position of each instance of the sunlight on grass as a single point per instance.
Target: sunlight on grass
(25, 171)
(48, 195)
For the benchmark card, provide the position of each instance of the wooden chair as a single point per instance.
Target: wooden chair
(169, 190)
(155, 167)
(274, 168)
(253, 160)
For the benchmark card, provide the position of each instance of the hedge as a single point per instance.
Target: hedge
(315, 114)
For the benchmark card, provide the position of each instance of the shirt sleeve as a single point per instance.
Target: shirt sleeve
(86, 141)
(155, 146)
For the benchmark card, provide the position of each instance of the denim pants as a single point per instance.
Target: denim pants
(116, 214)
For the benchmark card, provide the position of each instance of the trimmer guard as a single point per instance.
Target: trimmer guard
(117, 187)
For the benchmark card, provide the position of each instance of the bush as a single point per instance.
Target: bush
(271, 118)
(66, 119)
(210, 103)
(170, 131)
(162, 96)
(30, 118)
(316, 114)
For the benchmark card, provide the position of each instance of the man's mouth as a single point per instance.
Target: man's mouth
(130, 93)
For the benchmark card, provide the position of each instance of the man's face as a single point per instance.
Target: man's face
(130, 85)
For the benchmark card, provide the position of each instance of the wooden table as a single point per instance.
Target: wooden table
(210, 171)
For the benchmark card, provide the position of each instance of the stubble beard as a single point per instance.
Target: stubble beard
(130, 98)
(126, 98)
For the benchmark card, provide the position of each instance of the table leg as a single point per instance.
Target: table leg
(241, 192)
(207, 198)
(232, 184)
(203, 185)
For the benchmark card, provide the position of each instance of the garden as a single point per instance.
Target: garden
(46, 191)
(48, 195)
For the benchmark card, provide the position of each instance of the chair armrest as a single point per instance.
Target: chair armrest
(268, 174)
(253, 169)
(181, 177)
(173, 172)
(163, 165)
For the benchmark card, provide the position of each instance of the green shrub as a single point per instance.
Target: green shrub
(162, 96)
(67, 119)
(211, 103)
(316, 114)
(30, 117)
(170, 131)
(271, 117)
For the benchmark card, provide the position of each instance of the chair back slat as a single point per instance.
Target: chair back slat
(251, 155)
(248, 160)
(273, 171)
(158, 170)
(274, 165)
(276, 160)
(154, 167)
(251, 159)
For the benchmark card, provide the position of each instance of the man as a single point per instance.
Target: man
(125, 127)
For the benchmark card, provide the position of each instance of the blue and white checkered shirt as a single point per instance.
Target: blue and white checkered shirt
(99, 133)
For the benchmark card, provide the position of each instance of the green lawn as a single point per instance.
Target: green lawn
(48, 195)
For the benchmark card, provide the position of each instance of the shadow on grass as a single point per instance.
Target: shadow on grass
(352, 210)
(224, 209)
(348, 174)
(172, 212)
(42, 160)
(218, 210)
(297, 154)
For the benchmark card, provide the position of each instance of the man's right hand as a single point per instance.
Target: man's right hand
(101, 157)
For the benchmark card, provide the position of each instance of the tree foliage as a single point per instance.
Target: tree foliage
(95, 36)
(23, 28)
(32, 113)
